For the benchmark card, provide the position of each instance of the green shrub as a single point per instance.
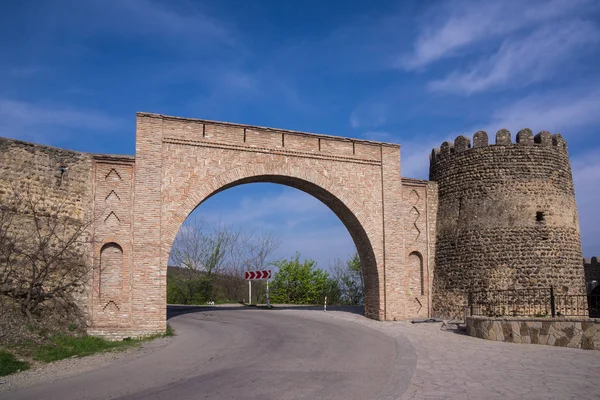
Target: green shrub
(189, 287)
(302, 283)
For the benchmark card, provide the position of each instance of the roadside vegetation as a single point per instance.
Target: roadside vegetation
(60, 346)
(303, 283)
(9, 364)
(44, 265)
(44, 268)
(208, 265)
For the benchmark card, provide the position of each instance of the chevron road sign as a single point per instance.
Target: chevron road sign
(257, 275)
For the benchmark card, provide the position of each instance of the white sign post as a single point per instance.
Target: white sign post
(257, 276)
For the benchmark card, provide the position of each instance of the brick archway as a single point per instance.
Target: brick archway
(180, 162)
(309, 182)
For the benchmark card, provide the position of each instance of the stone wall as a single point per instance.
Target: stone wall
(507, 217)
(581, 333)
(59, 178)
(87, 187)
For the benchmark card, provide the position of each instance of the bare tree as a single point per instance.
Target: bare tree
(44, 251)
(349, 278)
(196, 250)
(222, 254)
(260, 248)
(231, 279)
(247, 251)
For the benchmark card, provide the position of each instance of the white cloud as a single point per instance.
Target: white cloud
(287, 208)
(562, 111)
(39, 122)
(453, 26)
(183, 26)
(586, 175)
(521, 61)
(370, 115)
(153, 17)
(302, 222)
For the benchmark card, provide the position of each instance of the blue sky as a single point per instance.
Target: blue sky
(73, 74)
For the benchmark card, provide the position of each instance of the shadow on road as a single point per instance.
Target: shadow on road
(174, 310)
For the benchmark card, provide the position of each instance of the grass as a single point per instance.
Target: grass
(9, 364)
(61, 346)
(65, 346)
(169, 332)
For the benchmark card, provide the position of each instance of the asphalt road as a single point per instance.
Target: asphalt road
(247, 353)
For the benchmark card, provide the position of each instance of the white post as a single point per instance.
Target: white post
(249, 291)
(325, 306)
(268, 300)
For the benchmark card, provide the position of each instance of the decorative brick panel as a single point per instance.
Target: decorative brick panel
(113, 190)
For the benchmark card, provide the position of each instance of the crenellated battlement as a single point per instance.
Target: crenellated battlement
(591, 262)
(524, 137)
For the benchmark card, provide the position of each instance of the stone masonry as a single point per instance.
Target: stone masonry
(493, 216)
(579, 333)
(58, 179)
(507, 217)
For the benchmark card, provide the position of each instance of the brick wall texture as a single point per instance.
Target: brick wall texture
(422, 244)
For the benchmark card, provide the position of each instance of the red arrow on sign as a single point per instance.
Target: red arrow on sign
(257, 275)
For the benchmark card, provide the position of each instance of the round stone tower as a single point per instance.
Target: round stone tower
(507, 217)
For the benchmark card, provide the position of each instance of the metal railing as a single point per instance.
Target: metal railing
(538, 302)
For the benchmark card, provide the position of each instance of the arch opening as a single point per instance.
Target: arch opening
(343, 213)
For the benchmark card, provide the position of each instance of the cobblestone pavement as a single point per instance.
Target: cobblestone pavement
(451, 365)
